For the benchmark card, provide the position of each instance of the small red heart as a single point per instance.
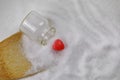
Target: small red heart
(58, 45)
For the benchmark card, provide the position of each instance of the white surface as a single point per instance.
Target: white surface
(91, 27)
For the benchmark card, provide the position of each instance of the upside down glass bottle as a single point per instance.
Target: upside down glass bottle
(37, 31)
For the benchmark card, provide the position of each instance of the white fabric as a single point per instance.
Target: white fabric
(90, 28)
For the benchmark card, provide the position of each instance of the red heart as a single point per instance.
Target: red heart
(58, 45)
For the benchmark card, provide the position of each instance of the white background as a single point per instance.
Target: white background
(97, 21)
